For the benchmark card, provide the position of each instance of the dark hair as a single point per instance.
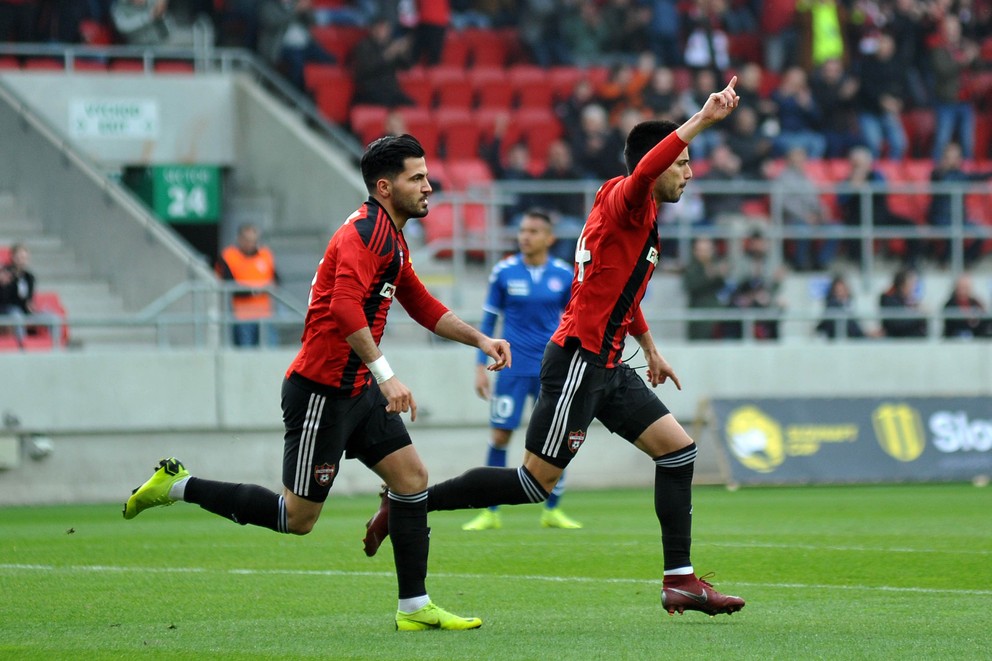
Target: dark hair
(642, 138)
(539, 213)
(384, 157)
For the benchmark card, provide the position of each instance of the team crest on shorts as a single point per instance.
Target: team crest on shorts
(324, 474)
(575, 440)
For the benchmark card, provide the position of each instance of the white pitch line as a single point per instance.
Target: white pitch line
(845, 549)
(523, 577)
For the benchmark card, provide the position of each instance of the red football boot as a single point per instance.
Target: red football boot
(377, 528)
(688, 593)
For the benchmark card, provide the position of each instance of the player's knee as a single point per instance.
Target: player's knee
(300, 523)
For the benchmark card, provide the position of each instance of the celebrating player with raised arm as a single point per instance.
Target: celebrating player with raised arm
(582, 375)
(340, 397)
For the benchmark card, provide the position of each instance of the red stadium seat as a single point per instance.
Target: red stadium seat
(318, 75)
(367, 122)
(174, 66)
(460, 136)
(490, 48)
(420, 124)
(920, 125)
(563, 80)
(39, 337)
(339, 40)
(334, 102)
(127, 65)
(416, 84)
(467, 173)
(8, 62)
(44, 64)
(492, 88)
(454, 94)
(457, 49)
(439, 228)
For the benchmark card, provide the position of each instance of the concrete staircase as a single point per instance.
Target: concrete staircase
(57, 269)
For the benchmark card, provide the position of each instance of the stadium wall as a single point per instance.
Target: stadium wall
(111, 415)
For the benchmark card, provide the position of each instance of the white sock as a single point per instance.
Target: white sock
(178, 490)
(414, 603)
(681, 571)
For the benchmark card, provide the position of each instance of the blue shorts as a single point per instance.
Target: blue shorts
(509, 398)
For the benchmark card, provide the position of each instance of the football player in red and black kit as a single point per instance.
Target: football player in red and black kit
(583, 377)
(340, 397)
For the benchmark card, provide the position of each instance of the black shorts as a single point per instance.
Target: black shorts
(574, 391)
(320, 428)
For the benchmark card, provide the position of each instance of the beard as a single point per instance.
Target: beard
(414, 209)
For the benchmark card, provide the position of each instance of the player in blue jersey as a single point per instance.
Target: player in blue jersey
(529, 290)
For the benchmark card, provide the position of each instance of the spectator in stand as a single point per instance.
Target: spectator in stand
(597, 148)
(963, 301)
(902, 296)
(778, 31)
(950, 169)
(726, 205)
(284, 38)
(835, 91)
(583, 33)
(862, 177)
(703, 80)
(799, 117)
(538, 28)
(433, 18)
(375, 62)
(750, 145)
(804, 209)
(19, 20)
(951, 58)
(881, 98)
(514, 167)
(906, 23)
(163, 22)
(660, 96)
(749, 83)
(757, 285)
(252, 266)
(704, 280)
(620, 90)
(17, 291)
(822, 25)
(665, 32)
(626, 26)
(838, 303)
(569, 207)
(707, 45)
(569, 111)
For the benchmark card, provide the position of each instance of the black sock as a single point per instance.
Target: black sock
(411, 542)
(241, 503)
(673, 504)
(486, 487)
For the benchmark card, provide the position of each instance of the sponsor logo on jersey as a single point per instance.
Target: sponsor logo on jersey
(324, 474)
(575, 440)
(556, 284)
(388, 290)
(517, 287)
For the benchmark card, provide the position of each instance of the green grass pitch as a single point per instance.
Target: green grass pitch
(866, 572)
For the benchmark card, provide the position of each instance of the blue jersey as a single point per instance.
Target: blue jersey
(530, 299)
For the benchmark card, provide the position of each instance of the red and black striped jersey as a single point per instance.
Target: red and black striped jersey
(366, 265)
(614, 259)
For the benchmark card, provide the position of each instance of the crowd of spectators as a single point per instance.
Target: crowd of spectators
(818, 79)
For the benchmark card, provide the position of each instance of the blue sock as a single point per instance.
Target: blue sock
(556, 493)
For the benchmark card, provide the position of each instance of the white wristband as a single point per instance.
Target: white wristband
(380, 369)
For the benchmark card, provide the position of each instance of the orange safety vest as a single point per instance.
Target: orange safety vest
(255, 271)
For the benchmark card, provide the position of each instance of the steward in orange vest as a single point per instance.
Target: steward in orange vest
(253, 266)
